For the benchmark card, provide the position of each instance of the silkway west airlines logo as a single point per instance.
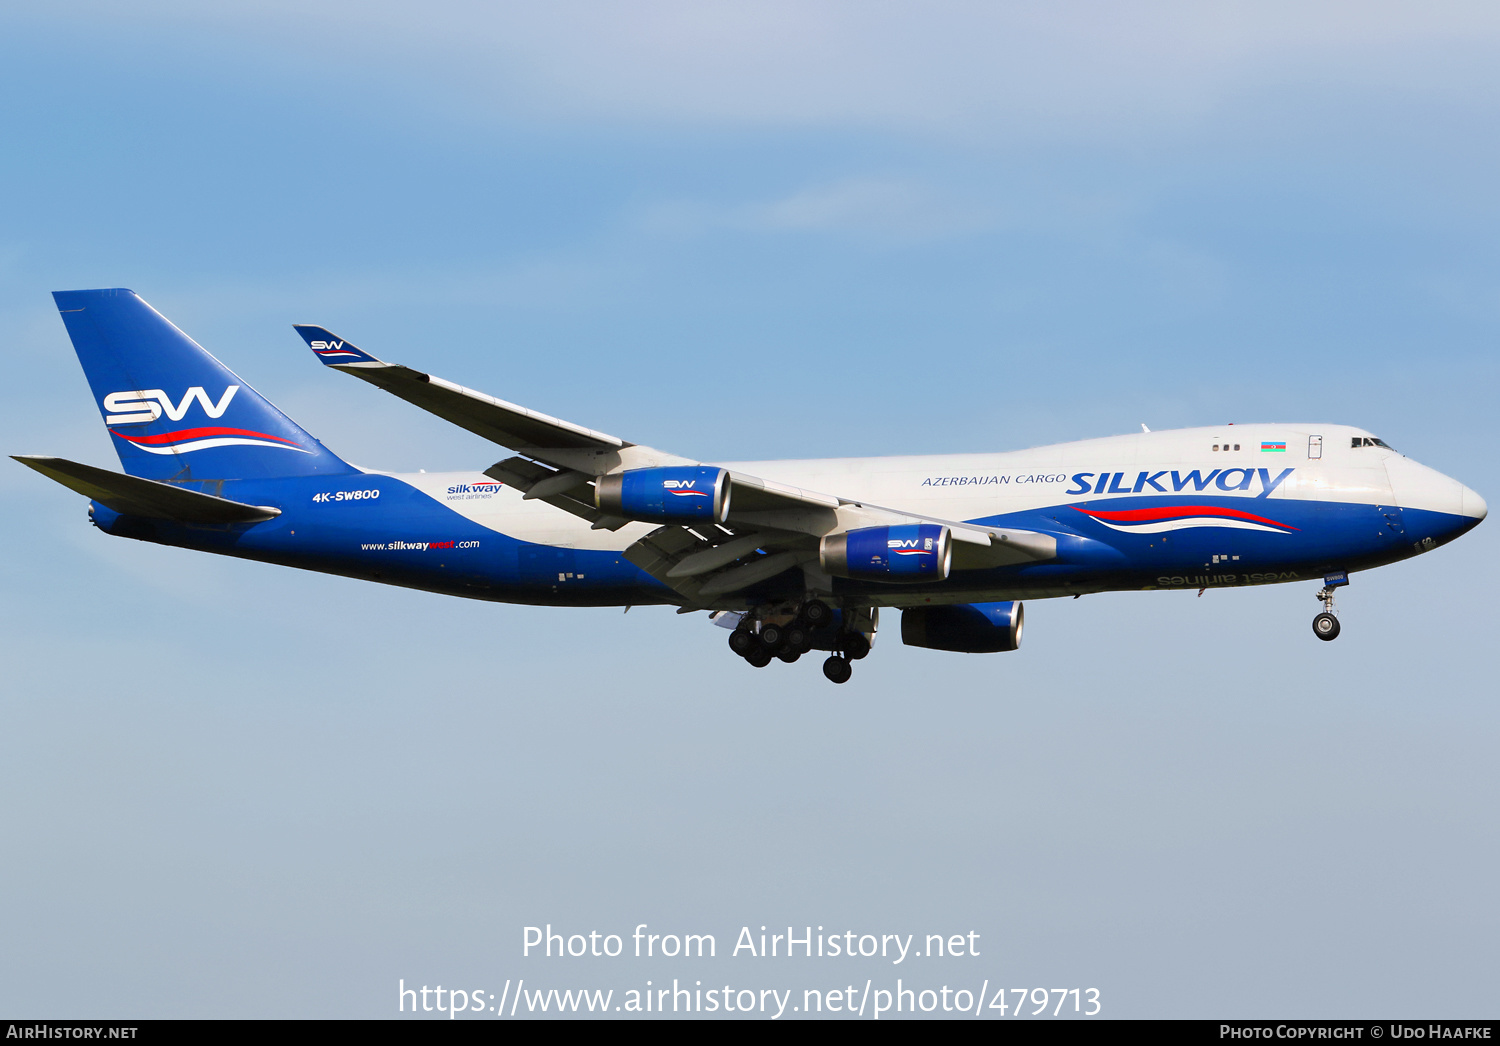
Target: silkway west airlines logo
(146, 405)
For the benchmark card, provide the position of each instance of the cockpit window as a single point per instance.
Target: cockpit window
(1369, 441)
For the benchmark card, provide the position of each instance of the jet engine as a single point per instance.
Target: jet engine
(912, 552)
(966, 628)
(679, 494)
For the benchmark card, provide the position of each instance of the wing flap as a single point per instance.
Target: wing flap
(715, 556)
(552, 486)
(762, 568)
(700, 564)
(662, 549)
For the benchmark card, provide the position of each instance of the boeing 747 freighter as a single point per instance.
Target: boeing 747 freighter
(789, 556)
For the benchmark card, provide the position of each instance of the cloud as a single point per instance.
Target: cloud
(882, 208)
(956, 68)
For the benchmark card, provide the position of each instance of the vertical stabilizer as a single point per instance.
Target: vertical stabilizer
(173, 411)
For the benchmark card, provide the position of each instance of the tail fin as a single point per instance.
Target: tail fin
(173, 411)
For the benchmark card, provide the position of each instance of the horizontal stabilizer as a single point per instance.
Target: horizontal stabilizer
(134, 496)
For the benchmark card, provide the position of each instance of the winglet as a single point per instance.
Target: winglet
(329, 347)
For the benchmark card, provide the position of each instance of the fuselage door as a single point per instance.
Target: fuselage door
(1314, 447)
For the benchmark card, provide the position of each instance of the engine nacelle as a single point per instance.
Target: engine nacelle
(966, 628)
(912, 552)
(679, 494)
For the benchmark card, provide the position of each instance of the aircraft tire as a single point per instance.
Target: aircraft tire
(759, 658)
(856, 646)
(1326, 627)
(815, 613)
(789, 653)
(742, 641)
(837, 670)
(796, 639)
(771, 637)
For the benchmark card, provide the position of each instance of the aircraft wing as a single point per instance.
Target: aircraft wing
(564, 447)
(496, 420)
(770, 527)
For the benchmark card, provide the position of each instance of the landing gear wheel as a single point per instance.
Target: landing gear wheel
(759, 657)
(816, 613)
(856, 646)
(796, 639)
(789, 653)
(1326, 627)
(837, 670)
(742, 642)
(771, 636)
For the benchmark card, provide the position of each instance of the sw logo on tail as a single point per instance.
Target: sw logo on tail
(149, 404)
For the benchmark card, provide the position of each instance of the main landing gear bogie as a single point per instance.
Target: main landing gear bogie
(791, 636)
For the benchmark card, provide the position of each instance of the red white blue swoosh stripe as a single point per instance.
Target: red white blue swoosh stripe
(329, 354)
(184, 441)
(1162, 518)
(689, 493)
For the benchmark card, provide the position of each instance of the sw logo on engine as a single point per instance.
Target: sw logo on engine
(683, 486)
(910, 546)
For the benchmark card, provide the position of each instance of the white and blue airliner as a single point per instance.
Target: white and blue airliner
(789, 556)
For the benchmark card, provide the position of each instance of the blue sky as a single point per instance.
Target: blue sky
(752, 231)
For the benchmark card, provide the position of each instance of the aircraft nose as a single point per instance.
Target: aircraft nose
(1437, 508)
(1417, 487)
(1474, 506)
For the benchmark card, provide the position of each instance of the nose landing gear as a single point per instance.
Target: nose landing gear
(1325, 625)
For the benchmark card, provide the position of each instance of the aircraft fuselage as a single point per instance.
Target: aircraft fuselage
(1188, 508)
